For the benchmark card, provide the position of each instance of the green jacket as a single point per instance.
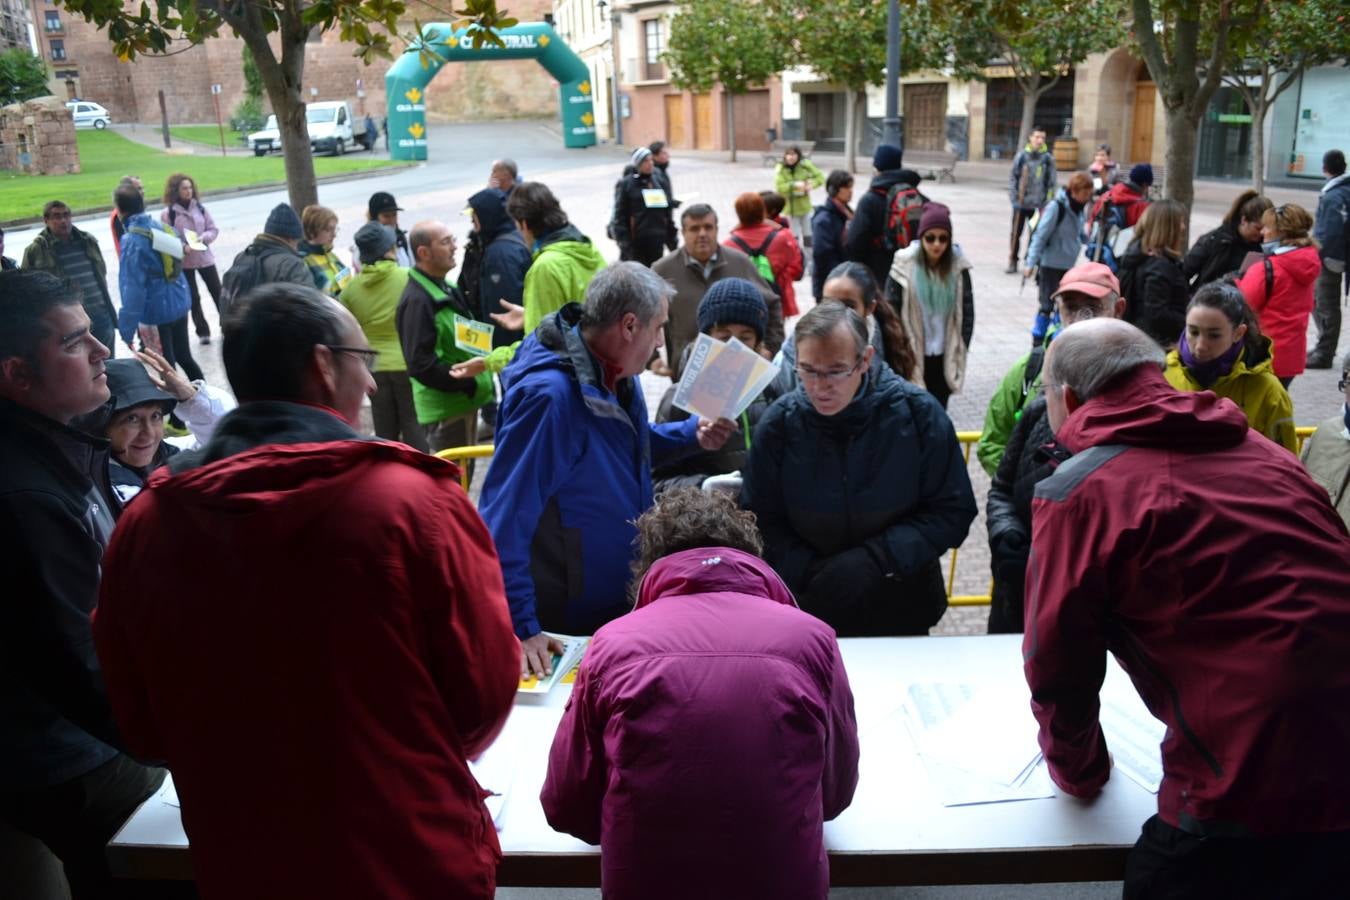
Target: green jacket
(1005, 407)
(563, 266)
(798, 204)
(372, 297)
(426, 322)
(1255, 390)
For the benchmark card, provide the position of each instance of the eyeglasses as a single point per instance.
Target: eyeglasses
(932, 238)
(1340, 385)
(805, 373)
(367, 355)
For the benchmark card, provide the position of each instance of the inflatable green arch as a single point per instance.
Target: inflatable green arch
(405, 82)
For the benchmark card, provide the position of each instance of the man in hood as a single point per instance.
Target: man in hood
(502, 265)
(1031, 184)
(1184, 543)
(347, 647)
(1332, 230)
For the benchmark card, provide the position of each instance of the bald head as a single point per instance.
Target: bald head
(433, 248)
(1085, 358)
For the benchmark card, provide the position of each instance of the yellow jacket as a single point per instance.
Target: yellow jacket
(1254, 388)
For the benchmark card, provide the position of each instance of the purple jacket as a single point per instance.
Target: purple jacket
(199, 220)
(709, 736)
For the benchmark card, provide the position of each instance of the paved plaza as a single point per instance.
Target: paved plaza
(583, 181)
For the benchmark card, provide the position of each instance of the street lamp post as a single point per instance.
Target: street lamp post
(615, 106)
(890, 125)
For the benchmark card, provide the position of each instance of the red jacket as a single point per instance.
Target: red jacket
(1216, 571)
(1124, 196)
(315, 637)
(785, 257)
(1284, 313)
(709, 736)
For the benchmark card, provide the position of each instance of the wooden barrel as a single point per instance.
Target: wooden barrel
(1066, 154)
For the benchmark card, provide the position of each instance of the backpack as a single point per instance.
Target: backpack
(243, 276)
(760, 258)
(1108, 237)
(904, 209)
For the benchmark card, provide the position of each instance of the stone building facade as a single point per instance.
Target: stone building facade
(37, 137)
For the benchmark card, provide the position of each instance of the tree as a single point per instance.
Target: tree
(146, 28)
(1178, 52)
(23, 76)
(726, 42)
(1040, 40)
(1277, 43)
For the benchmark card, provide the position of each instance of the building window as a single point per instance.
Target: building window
(653, 48)
(58, 49)
(53, 20)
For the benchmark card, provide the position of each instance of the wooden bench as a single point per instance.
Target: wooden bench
(776, 150)
(937, 165)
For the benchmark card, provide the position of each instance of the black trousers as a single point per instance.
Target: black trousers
(211, 279)
(1020, 217)
(77, 818)
(935, 379)
(178, 349)
(1170, 864)
(392, 411)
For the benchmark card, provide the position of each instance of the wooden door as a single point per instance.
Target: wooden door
(676, 134)
(925, 116)
(752, 119)
(703, 122)
(1141, 135)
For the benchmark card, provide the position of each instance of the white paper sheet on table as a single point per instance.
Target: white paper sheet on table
(168, 794)
(1133, 736)
(494, 772)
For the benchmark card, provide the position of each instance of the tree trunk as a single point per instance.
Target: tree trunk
(731, 124)
(1031, 92)
(1259, 143)
(851, 130)
(1178, 177)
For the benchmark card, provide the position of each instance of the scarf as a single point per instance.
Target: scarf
(938, 295)
(1206, 373)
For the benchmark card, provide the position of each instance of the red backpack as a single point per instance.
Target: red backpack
(904, 209)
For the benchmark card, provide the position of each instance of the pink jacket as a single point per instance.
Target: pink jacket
(199, 220)
(709, 736)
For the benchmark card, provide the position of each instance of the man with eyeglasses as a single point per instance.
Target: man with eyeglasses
(859, 486)
(1087, 291)
(345, 646)
(428, 313)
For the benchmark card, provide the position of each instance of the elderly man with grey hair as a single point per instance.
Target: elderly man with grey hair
(572, 470)
(1189, 546)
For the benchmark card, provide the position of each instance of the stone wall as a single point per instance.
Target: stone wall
(37, 137)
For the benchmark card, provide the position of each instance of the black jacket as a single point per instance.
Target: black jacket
(1216, 254)
(639, 229)
(1030, 457)
(857, 508)
(56, 515)
(865, 241)
(502, 263)
(416, 322)
(828, 224)
(1155, 294)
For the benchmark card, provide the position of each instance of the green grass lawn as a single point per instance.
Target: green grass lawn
(106, 156)
(204, 134)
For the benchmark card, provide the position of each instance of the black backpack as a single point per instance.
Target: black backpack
(243, 276)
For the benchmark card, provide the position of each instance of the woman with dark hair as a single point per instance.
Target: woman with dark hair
(828, 224)
(930, 285)
(1222, 250)
(1280, 290)
(183, 212)
(1151, 280)
(1223, 350)
(795, 177)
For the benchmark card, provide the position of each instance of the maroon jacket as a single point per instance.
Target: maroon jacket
(709, 736)
(315, 637)
(1218, 574)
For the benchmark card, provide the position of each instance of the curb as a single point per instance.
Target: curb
(245, 191)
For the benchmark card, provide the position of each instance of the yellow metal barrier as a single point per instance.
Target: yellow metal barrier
(968, 440)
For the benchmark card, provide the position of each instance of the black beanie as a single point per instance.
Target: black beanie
(733, 301)
(282, 222)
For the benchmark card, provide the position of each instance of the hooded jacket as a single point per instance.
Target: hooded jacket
(318, 699)
(1056, 243)
(865, 239)
(56, 514)
(372, 297)
(709, 735)
(783, 253)
(1031, 181)
(1284, 312)
(1217, 253)
(569, 478)
(277, 259)
(504, 262)
(856, 508)
(148, 297)
(1230, 613)
(960, 321)
(1155, 292)
(1252, 385)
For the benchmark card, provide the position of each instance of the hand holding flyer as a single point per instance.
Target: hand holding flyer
(722, 378)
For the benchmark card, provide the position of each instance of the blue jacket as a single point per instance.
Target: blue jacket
(571, 474)
(1055, 244)
(505, 256)
(1333, 208)
(828, 224)
(148, 298)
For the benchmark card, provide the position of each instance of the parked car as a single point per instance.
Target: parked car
(88, 114)
(331, 126)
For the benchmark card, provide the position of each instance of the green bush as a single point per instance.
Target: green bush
(248, 116)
